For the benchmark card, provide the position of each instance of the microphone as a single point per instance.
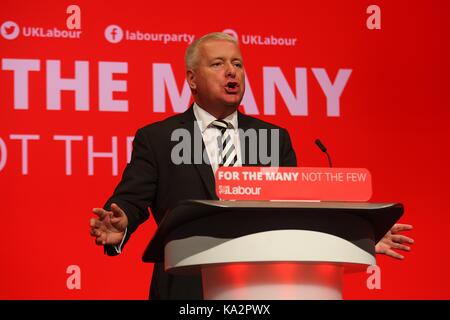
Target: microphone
(324, 150)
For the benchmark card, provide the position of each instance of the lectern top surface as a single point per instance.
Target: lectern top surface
(296, 204)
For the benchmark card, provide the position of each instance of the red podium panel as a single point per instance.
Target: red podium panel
(293, 183)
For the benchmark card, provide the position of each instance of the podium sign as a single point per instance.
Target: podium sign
(293, 183)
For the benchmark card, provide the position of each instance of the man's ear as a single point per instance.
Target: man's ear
(190, 77)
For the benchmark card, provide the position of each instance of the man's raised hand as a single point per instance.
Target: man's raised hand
(394, 240)
(109, 227)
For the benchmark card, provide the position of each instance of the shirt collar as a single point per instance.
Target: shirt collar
(204, 118)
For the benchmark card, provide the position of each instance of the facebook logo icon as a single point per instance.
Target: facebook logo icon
(113, 33)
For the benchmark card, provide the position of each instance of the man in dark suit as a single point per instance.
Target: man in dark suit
(155, 177)
(161, 174)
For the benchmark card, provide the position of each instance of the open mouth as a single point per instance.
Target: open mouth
(232, 87)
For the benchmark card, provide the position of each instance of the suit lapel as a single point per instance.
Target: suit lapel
(204, 170)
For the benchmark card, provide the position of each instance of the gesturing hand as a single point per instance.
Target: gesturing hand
(109, 227)
(393, 240)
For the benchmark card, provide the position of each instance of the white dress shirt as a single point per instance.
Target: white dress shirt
(211, 133)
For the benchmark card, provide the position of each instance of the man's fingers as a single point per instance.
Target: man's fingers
(402, 239)
(100, 212)
(401, 227)
(116, 210)
(393, 254)
(95, 223)
(386, 248)
(115, 220)
(401, 247)
(95, 232)
(101, 240)
(98, 231)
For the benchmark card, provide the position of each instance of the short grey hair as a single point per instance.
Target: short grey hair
(190, 58)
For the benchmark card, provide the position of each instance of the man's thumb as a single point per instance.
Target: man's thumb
(117, 212)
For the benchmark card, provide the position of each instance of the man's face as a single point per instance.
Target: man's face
(218, 79)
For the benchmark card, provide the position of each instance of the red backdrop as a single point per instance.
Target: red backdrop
(393, 120)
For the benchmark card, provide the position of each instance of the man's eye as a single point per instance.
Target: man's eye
(238, 65)
(216, 64)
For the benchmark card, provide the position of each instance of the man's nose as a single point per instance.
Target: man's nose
(230, 70)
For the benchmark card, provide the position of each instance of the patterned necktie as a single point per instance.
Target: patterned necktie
(227, 150)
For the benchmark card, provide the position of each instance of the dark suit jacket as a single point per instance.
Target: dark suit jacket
(152, 180)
